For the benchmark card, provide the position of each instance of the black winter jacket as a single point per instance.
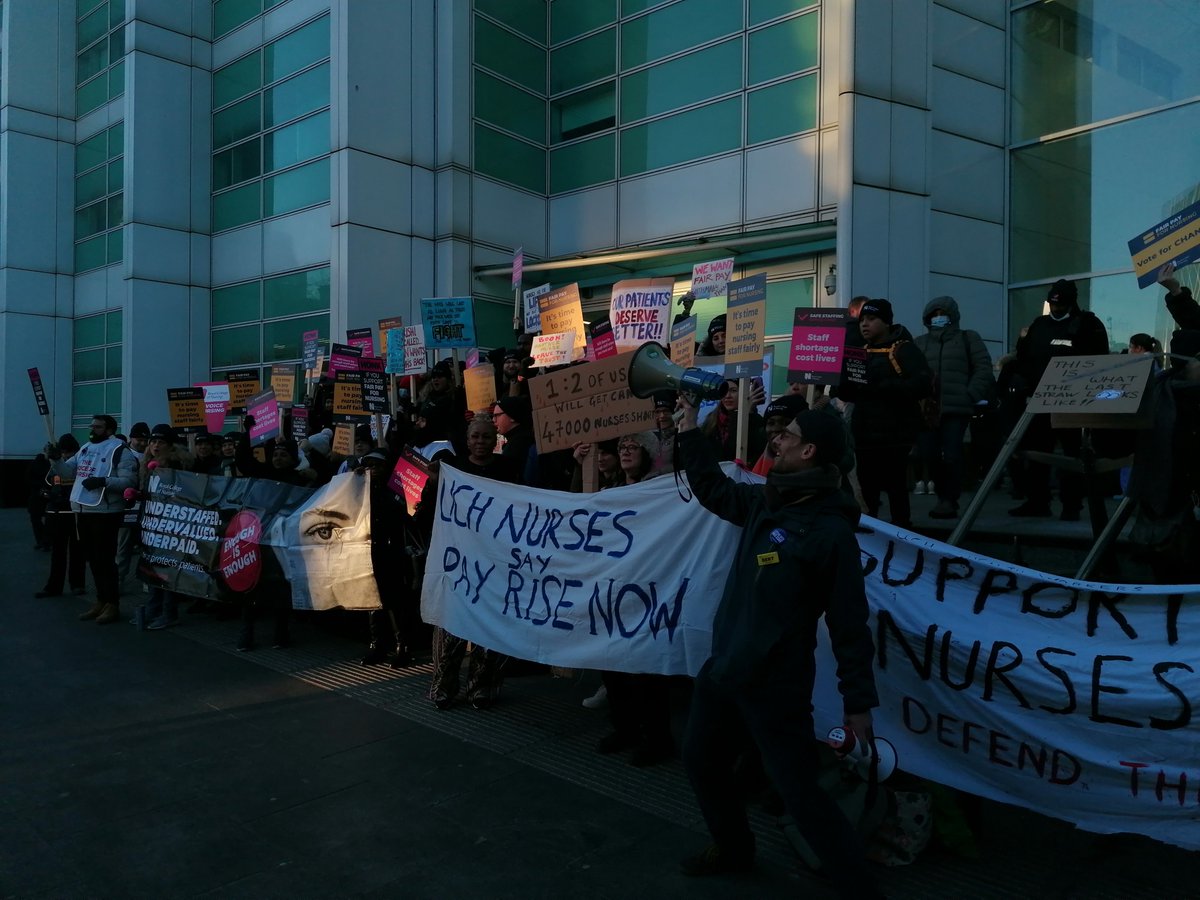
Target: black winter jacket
(959, 360)
(886, 409)
(1080, 334)
(765, 629)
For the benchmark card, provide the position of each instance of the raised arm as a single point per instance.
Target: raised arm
(716, 491)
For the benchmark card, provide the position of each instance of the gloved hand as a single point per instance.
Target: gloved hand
(92, 482)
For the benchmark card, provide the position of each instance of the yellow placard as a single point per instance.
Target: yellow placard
(481, 387)
(343, 440)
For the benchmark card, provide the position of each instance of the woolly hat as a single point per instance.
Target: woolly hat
(790, 405)
(163, 433)
(442, 370)
(825, 431)
(519, 409)
(879, 308)
(139, 430)
(322, 441)
(717, 324)
(1063, 291)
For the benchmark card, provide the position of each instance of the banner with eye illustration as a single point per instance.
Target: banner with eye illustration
(205, 536)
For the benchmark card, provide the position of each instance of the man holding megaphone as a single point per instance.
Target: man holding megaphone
(797, 560)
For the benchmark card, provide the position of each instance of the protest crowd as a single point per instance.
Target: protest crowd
(926, 394)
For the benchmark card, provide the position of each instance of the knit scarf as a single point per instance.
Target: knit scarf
(795, 487)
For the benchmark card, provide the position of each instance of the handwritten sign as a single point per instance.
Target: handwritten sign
(711, 279)
(185, 407)
(553, 349)
(394, 340)
(310, 341)
(415, 359)
(1176, 239)
(533, 313)
(818, 345)
(640, 311)
(283, 383)
(683, 342)
(561, 311)
(265, 410)
(347, 397)
(590, 402)
(604, 342)
(387, 325)
(746, 322)
(343, 441)
(408, 480)
(243, 384)
(39, 392)
(1112, 386)
(449, 322)
(363, 339)
(480, 382)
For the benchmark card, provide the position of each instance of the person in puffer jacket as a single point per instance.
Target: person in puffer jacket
(962, 381)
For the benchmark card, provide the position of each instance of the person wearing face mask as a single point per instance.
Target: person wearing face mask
(963, 381)
(1066, 330)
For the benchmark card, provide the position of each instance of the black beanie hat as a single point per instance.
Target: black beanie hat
(164, 432)
(879, 308)
(790, 405)
(1063, 291)
(139, 430)
(519, 409)
(717, 324)
(825, 431)
(665, 400)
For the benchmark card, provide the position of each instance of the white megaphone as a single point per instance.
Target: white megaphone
(651, 371)
(858, 756)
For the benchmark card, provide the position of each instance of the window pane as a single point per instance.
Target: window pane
(296, 293)
(116, 210)
(301, 48)
(1075, 62)
(525, 16)
(583, 113)
(296, 96)
(296, 189)
(237, 207)
(676, 28)
(236, 164)
(116, 246)
(90, 219)
(763, 10)
(116, 12)
(508, 55)
(229, 14)
(91, 186)
(91, 152)
(237, 79)
(235, 346)
(629, 7)
(790, 46)
(690, 135)
(682, 82)
(781, 109)
(236, 122)
(112, 398)
(569, 18)
(1074, 199)
(578, 165)
(297, 142)
(90, 254)
(87, 399)
(112, 365)
(91, 61)
(116, 80)
(116, 44)
(89, 332)
(89, 365)
(508, 159)
(91, 27)
(238, 303)
(83, 7)
(114, 326)
(511, 108)
(91, 95)
(116, 175)
(116, 140)
(281, 340)
(587, 60)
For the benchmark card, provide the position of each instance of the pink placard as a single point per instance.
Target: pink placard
(216, 404)
(818, 346)
(408, 480)
(363, 339)
(604, 343)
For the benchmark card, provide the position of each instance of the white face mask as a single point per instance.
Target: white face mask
(1066, 315)
(939, 321)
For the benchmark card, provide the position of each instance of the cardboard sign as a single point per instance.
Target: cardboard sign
(553, 349)
(818, 345)
(362, 339)
(711, 279)
(216, 404)
(604, 342)
(375, 390)
(1176, 239)
(854, 365)
(39, 392)
(348, 397)
(480, 382)
(283, 383)
(746, 323)
(243, 384)
(449, 322)
(343, 441)
(343, 358)
(299, 423)
(640, 311)
(518, 267)
(683, 342)
(310, 341)
(408, 480)
(1077, 388)
(415, 359)
(265, 410)
(185, 408)
(591, 402)
(533, 313)
(561, 311)
(392, 323)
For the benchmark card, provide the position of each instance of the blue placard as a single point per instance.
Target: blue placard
(395, 353)
(449, 322)
(1175, 239)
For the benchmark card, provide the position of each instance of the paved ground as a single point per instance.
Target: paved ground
(164, 764)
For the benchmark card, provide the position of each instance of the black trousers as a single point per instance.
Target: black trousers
(884, 469)
(778, 719)
(639, 707)
(66, 557)
(1040, 436)
(98, 539)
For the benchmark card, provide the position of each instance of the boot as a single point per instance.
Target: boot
(401, 659)
(109, 613)
(376, 651)
(93, 612)
(375, 654)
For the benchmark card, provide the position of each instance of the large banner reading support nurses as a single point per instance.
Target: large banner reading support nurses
(1070, 698)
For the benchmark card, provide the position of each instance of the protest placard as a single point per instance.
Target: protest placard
(185, 408)
(472, 359)
(408, 479)
(283, 383)
(1176, 239)
(243, 384)
(216, 404)
(480, 383)
(363, 339)
(375, 386)
(604, 342)
(395, 351)
(39, 392)
(589, 402)
(343, 440)
(310, 341)
(518, 267)
(746, 323)
(265, 410)
(561, 311)
(854, 365)
(392, 323)
(683, 342)
(640, 311)
(1109, 391)
(342, 358)
(299, 423)
(533, 313)
(553, 349)
(818, 344)
(348, 397)
(415, 358)
(449, 322)
(711, 279)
